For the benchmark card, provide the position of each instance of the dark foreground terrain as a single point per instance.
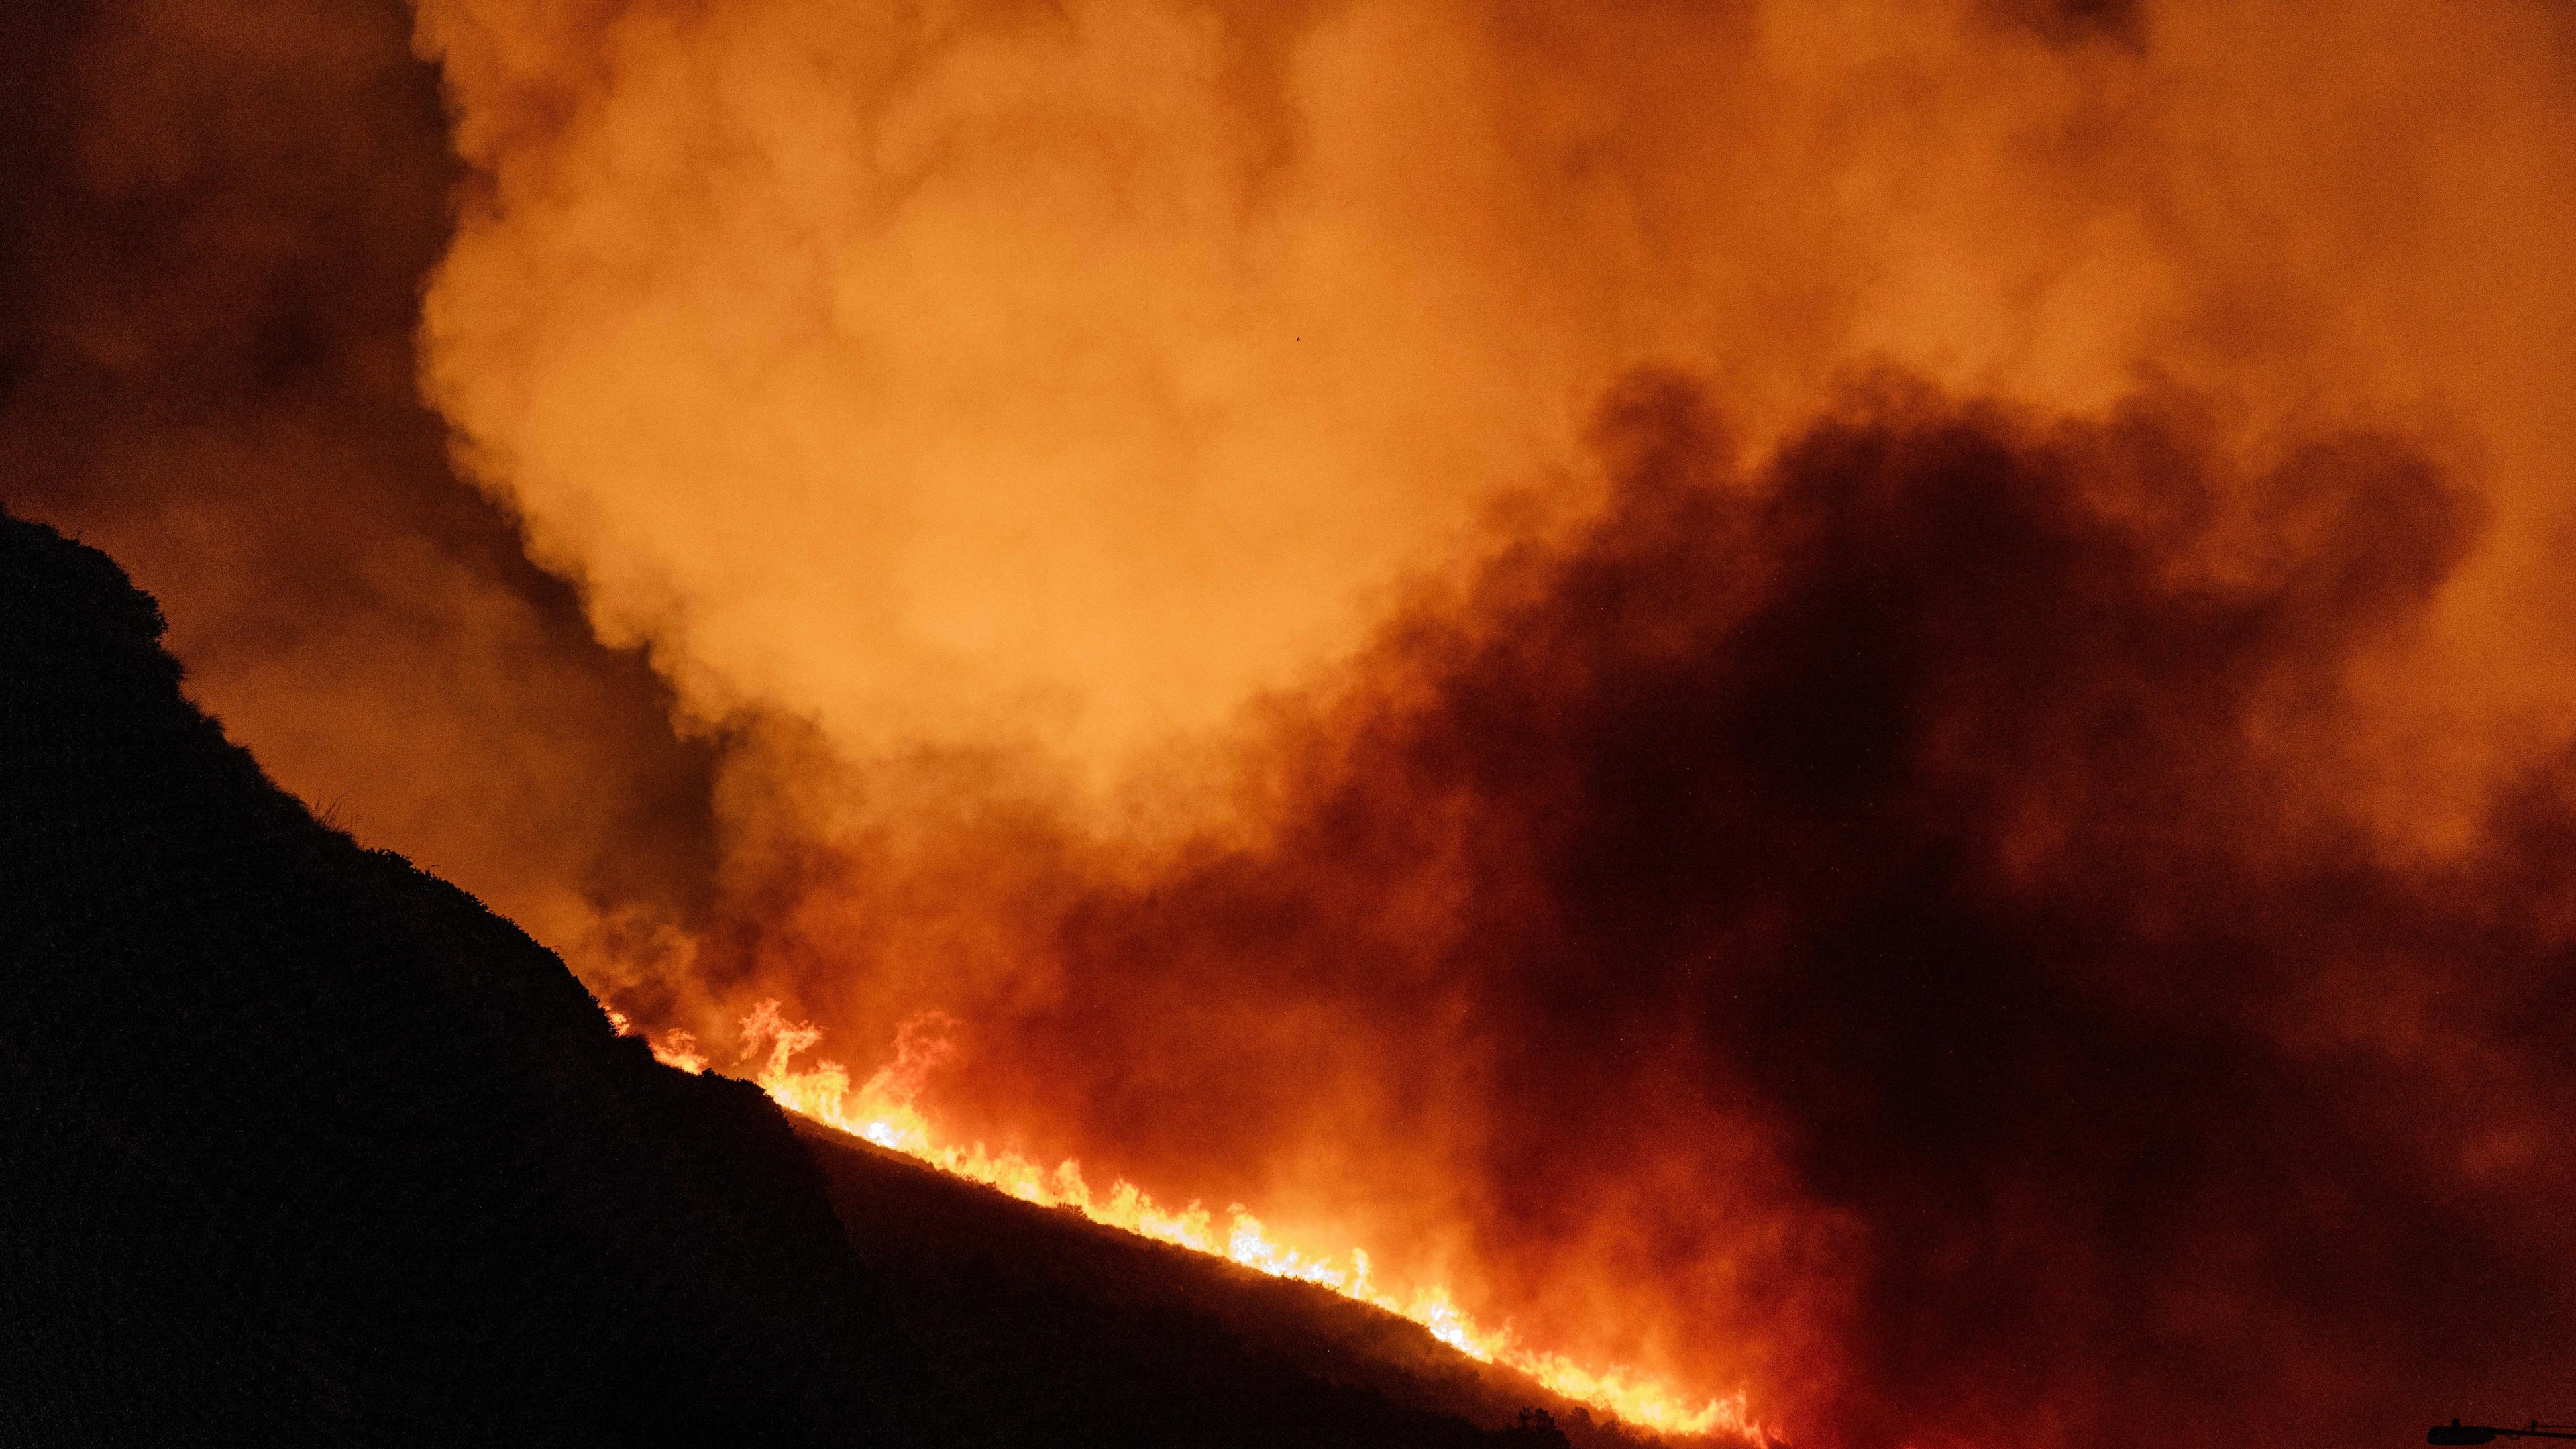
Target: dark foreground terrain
(1128, 1333)
(299, 1144)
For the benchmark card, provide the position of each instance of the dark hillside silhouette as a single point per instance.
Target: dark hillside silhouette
(299, 1144)
(303, 1144)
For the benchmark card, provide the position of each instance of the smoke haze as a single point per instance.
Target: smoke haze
(218, 218)
(1868, 701)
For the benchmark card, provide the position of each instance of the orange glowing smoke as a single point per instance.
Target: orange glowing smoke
(1050, 379)
(884, 1110)
(671, 1048)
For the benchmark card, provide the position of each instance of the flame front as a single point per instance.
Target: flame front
(882, 1110)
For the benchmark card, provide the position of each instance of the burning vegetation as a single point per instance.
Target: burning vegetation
(884, 1111)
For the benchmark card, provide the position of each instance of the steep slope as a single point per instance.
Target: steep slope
(305, 1144)
(299, 1144)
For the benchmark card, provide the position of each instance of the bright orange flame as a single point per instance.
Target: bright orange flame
(671, 1048)
(882, 1110)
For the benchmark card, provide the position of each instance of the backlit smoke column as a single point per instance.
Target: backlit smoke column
(1867, 700)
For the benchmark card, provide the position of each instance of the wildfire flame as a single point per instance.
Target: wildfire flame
(882, 1110)
(671, 1048)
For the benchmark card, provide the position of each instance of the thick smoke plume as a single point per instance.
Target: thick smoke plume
(2020, 914)
(1049, 376)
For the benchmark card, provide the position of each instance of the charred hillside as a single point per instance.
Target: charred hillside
(305, 1145)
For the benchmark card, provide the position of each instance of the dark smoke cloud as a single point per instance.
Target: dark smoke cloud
(2077, 22)
(213, 226)
(1885, 925)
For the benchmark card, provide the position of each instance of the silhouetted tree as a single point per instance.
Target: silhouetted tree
(1536, 1429)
